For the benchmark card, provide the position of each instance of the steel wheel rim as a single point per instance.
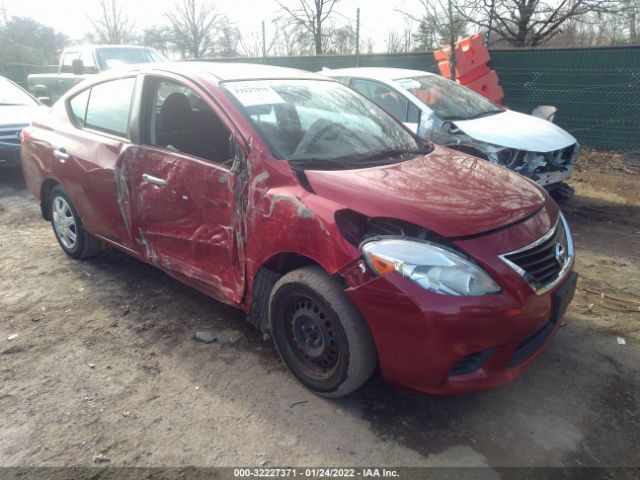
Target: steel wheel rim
(312, 336)
(64, 223)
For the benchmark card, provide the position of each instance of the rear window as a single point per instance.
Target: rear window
(78, 107)
(105, 107)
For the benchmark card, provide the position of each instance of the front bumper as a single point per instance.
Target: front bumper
(443, 345)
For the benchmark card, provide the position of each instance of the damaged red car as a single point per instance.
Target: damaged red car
(337, 231)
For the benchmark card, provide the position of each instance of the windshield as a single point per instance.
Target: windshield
(448, 100)
(112, 57)
(11, 94)
(315, 121)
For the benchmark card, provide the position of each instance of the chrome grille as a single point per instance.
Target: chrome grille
(544, 262)
(10, 134)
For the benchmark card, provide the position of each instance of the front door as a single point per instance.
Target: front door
(179, 191)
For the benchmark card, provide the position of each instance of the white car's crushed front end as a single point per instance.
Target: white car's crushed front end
(531, 146)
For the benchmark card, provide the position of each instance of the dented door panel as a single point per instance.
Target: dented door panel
(180, 212)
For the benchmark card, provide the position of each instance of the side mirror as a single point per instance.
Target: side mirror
(426, 125)
(45, 101)
(77, 67)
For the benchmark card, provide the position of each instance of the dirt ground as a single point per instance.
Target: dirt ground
(105, 368)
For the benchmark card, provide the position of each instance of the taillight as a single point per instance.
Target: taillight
(25, 134)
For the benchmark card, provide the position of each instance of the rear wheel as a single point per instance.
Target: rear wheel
(68, 228)
(319, 333)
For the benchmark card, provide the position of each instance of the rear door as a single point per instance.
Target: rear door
(183, 189)
(87, 151)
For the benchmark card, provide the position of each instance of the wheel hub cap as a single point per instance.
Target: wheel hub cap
(64, 223)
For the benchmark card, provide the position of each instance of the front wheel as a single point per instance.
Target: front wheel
(320, 334)
(68, 228)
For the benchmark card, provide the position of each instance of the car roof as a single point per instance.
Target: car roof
(378, 73)
(222, 71)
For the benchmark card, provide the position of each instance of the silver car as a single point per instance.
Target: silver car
(449, 114)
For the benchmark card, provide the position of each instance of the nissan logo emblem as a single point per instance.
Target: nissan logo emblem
(561, 254)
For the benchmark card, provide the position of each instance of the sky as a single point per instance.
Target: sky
(377, 17)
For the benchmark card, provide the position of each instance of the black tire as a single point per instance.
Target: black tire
(319, 333)
(84, 245)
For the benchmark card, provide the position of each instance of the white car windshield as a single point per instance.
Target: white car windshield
(110, 57)
(321, 122)
(448, 100)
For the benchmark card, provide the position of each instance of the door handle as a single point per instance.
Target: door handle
(161, 182)
(61, 154)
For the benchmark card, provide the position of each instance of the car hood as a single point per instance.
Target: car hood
(447, 192)
(18, 114)
(517, 130)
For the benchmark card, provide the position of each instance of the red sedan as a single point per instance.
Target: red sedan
(335, 229)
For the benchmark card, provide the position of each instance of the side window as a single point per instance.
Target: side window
(413, 114)
(181, 120)
(109, 106)
(383, 96)
(88, 61)
(78, 107)
(67, 59)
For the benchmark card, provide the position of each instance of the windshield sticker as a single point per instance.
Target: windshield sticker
(408, 83)
(251, 95)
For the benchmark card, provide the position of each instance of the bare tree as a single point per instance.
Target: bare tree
(290, 39)
(531, 23)
(631, 9)
(160, 38)
(313, 16)
(251, 44)
(440, 21)
(112, 26)
(342, 40)
(229, 42)
(393, 42)
(195, 26)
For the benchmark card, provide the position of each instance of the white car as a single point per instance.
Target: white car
(17, 109)
(449, 114)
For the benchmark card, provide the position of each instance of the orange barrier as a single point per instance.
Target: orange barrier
(471, 67)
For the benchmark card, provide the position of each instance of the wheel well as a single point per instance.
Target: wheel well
(45, 191)
(285, 262)
(264, 281)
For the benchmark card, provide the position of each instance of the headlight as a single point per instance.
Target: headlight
(431, 266)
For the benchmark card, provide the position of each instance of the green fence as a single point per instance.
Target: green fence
(596, 90)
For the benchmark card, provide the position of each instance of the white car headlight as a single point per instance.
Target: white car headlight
(431, 266)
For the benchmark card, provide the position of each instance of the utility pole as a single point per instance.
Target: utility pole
(490, 26)
(264, 43)
(452, 43)
(358, 37)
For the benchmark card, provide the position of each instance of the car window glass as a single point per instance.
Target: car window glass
(67, 59)
(113, 56)
(413, 114)
(309, 121)
(383, 96)
(447, 99)
(109, 105)
(88, 62)
(78, 107)
(182, 121)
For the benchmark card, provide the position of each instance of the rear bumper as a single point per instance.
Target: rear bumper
(442, 345)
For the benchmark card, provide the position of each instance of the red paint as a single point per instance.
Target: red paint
(215, 228)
